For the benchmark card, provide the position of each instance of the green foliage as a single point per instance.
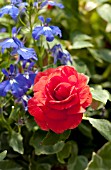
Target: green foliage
(86, 29)
(3, 155)
(103, 126)
(101, 160)
(16, 142)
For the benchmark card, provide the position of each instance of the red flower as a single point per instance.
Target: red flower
(60, 98)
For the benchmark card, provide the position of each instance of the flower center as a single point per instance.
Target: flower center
(62, 91)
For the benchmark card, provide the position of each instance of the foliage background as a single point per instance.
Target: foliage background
(86, 29)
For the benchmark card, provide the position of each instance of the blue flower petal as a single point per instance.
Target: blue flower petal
(11, 10)
(15, 2)
(37, 31)
(56, 31)
(5, 87)
(48, 20)
(11, 68)
(41, 18)
(5, 72)
(27, 53)
(62, 55)
(11, 43)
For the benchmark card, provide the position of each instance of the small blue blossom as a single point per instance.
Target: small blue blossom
(62, 55)
(28, 73)
(2, 30)
(15, 2)
(11, 10)
(48, 31)
(25, 53)
(11, 43)
(52, 3)
(24, 100)
(16, 83)
(17, 46)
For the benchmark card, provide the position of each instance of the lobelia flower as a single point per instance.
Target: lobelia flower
(16, 2)
(16, 83)
(11, 10)
(52, 3)
(48, 31)
(24, 100)
(28, 73)
(62, 55)
(18, 46)
(61, 96)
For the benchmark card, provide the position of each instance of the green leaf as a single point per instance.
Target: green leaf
(104, 11)
(102, 54)
(64, 153)
(105, 153)
(79, 163)
(101, 160)
(103, 126)
(86, 130)
(9, 165)
(52, 138)
(81, 44)
(100, 95)
(31, 125)
(3, 155)
(43, 166)
(96, 163)
(16, 142)
(36, 142)
(78, 36)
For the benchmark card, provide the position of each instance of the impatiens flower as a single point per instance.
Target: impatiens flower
(62, 55)
(48, 31)
(52, 3)
(16, 83)
(18, 47)
(61, 96)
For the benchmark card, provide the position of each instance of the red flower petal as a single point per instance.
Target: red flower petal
(35, 111)
(44, 73)
(60, 126)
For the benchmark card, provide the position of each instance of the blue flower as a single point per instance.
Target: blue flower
(16, 83)
(52, 3)
(11, 10)
(62, 55)
(2, 29)
(24, 100)
(25, 53)
(17, 46)
(48, 31)
(28, 73)
(11, 43)
(16, 2)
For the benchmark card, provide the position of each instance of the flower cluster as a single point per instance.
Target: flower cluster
(60, 95)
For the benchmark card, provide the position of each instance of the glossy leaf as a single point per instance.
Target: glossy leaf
(104, 12)
(16, 142)
(100, 95)
(3, 155)
(36, 142)
(9, 165)
(103, 126)
(101, 160)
